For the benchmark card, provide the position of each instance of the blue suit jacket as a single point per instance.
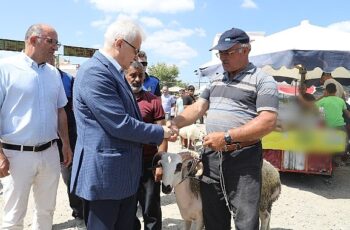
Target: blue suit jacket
(108, 153)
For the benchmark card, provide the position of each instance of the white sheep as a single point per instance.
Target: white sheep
(178, 170)
(192, 133)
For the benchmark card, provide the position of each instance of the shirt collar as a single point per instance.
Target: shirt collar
(31, 62)
(112, 60)
(249, 69)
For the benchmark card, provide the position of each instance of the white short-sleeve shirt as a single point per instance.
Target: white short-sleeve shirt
(30, 95)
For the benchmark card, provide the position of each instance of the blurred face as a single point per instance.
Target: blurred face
(128, 51)
(135, 78)
(234, 58)
(144, 62)
(190, 92)
(165, 90)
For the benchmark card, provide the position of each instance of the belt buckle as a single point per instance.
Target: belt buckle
(21, 148)
(34, 148)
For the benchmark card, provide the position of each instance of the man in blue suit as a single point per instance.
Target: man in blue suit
(108, 154)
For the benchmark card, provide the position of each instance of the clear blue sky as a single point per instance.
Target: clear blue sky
(178, 31)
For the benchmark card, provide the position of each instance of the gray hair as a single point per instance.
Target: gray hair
(34, 30)
(246, 45)
(123, 28)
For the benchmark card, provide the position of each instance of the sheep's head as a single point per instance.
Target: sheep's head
(175, 168)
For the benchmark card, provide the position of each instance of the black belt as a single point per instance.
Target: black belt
(37, 148)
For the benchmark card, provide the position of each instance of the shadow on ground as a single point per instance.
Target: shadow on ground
(70, 224)
(336, 186)
(172, 224)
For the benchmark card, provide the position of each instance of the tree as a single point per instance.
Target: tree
(167, 74)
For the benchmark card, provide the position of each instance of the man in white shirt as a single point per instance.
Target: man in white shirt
(32, 98)
(168, 101)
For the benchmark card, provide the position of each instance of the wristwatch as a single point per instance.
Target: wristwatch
(228, 138)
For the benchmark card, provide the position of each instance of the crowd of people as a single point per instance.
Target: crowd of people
(115, 118)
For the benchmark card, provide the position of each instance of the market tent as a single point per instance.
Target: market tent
(175, 89)
(316, 48)
(309, 45)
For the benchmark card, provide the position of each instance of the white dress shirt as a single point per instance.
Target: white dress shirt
(30, 96)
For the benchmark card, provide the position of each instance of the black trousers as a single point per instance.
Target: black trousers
(75, 202)
(110, 214)
(148, 197)
(242, 176)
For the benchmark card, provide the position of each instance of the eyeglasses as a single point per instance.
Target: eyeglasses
(136, 50)
(52, 41)
(226, 53)
(144, 63)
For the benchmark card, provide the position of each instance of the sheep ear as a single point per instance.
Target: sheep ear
(199, 169)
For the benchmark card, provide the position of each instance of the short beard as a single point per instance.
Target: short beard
(136, 89)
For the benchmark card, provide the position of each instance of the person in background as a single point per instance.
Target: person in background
(326, 78)
(152, 112)
(107, 164)
(179, 106)
(32, 101)
(74, 202)
(333, 107)
(168, 101)
(151, 83)
(189, 98)
(242, 105)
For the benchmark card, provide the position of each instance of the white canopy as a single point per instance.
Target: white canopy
(316, 48)
(308, 45)
(302, 37)
(175, 89)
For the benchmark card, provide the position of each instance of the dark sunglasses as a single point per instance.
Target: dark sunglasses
(144, 63)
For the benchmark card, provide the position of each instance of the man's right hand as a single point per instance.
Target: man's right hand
(4, 165)
(174, 129)
(169, 134)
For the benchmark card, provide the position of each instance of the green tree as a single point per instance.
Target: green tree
(167, 74)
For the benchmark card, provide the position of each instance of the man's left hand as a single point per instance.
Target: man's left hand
(67, 155)
(158, 174)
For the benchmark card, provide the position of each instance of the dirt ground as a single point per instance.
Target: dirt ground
(308, 202)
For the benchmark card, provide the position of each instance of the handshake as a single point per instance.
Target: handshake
(170, 132)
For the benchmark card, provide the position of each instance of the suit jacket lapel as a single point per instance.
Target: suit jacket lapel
(120, 79)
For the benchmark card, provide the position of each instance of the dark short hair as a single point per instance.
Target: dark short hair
(331, 88)
(142, 54)
(309, 97)
(190, 87)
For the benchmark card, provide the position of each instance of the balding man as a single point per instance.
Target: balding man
(32, 101)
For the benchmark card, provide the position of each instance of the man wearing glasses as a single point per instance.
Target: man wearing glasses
(107, 162)
(151, 83)
(32, 101)
(242, 107)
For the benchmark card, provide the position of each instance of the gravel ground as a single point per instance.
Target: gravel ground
(307, 202)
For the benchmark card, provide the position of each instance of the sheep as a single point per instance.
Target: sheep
(176, 175)
(176, 169)
(192, 133)
(270, 191)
